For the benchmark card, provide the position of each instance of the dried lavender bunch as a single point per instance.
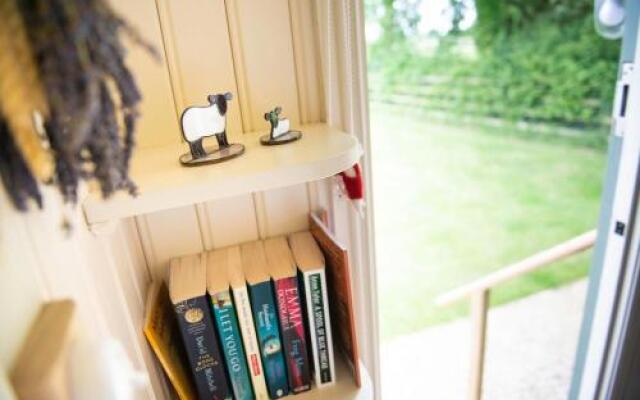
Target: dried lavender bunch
(14, 172)
(90, 91)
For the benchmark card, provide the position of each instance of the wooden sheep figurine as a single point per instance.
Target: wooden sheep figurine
(201, 122)
(280, 129)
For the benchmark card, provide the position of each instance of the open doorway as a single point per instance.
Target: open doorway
(489, 129)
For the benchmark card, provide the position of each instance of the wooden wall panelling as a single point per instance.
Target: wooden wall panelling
(262, 43)
(22, 288)
(199, 54)
(140, 273)
(167, 234)
(112, 291)
(228, 221)
(308, 65)
(305, 36)
(263, 53)
(123, 281)
(158, 124)
(287, 210)
(321, 193)
(44, 262)
(62, 258)
(347, 107)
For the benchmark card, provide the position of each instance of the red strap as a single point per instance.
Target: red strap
(353, 184)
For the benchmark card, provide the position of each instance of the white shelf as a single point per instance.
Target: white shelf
(163, 183)
(344, 389)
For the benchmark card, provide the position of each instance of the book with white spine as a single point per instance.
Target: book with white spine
(311, 264)
(245, 319)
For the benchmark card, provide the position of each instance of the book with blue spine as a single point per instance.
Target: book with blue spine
(227, 323)
(265, 315)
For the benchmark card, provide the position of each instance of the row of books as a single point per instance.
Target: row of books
(254, 318)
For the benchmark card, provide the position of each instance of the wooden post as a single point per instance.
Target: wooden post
(479, 306)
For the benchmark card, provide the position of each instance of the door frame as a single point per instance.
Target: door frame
(602, 365)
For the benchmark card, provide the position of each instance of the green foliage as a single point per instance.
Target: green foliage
(510, 16)
(549, 72)
(549, 68)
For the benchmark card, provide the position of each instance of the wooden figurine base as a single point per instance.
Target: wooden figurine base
(213, 156)
(288, 137)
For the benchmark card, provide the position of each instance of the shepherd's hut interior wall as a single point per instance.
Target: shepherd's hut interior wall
(266, 53)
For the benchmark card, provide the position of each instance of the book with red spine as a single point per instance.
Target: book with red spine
(283, 271)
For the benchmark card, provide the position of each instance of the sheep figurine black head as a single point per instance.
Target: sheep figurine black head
(202, 122)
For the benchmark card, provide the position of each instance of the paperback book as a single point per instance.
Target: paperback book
(338, 277)
(254, 263)
(227, 324)
(187, 289)
(311, 266)
(282, 270)
(247, 326)
(161, 331)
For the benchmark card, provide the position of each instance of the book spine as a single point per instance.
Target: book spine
(201, 345)
(266, 320)
(293, 334)
(243, 308)
(320, 327)
(231, 341)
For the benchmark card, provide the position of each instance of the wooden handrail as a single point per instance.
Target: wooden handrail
(538, 260)
(479, 292)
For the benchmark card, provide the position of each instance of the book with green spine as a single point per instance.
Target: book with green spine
(265, 316)
(227, 323)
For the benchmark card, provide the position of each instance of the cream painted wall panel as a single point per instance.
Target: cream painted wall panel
(230, 221)
(286, 210)
(158, 124)
(265, 67)
(263, 56)
(199, 54)
(308, 65)
(124, 289)
(22, 289)
(40, 261)
(167, 234)
(132, 248)
(63, 260)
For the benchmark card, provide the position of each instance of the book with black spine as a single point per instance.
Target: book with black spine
(188, 293)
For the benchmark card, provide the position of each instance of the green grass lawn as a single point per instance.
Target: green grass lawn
(455, 203)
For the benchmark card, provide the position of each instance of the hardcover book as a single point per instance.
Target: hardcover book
(245, 319)
(187, 290)
(282, 270)
(254, 263)
(339, 290)
(161, 331)
(310, 262)
(227, 324)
